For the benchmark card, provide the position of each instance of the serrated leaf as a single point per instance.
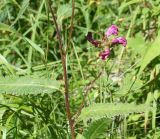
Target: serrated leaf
(27, 85)
(99, 110)
(96, 129)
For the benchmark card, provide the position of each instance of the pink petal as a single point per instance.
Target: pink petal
(103, 55)
(112, 30)
(120, 40)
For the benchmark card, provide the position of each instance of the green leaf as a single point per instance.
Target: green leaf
(25, 4)
(99, 110)
(127, 4)
(152, 52)
(129, 83)
(5, 27)
(5, 62)
(96, 129)
(63, 12)
(35, 46)
(79, 136)
(27, 85)
(137, 44)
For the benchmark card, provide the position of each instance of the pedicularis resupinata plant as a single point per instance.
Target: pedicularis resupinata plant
(106, 43)
(97, 111)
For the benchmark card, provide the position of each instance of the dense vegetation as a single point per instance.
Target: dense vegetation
(113, 98)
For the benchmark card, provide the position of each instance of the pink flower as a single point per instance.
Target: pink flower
(112, 30)
(103, 55)
(120, 40)
(91, 40)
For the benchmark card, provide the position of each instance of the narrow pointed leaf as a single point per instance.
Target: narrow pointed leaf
(27, 85)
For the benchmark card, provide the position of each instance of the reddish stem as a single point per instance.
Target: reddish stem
(86, 90)
(63, 59)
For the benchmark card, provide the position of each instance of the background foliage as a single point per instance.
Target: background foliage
(29, 47)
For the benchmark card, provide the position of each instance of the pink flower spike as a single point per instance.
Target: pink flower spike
(103, 55)
(120, 40)
(91, 40)
(112, 30)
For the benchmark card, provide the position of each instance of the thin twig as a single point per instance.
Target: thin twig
(57, 29)
(71, 25)
(63, 59)
(86, 90)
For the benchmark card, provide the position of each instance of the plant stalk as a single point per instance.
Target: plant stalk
(63, 59)
(71, 26)
(86, 90)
